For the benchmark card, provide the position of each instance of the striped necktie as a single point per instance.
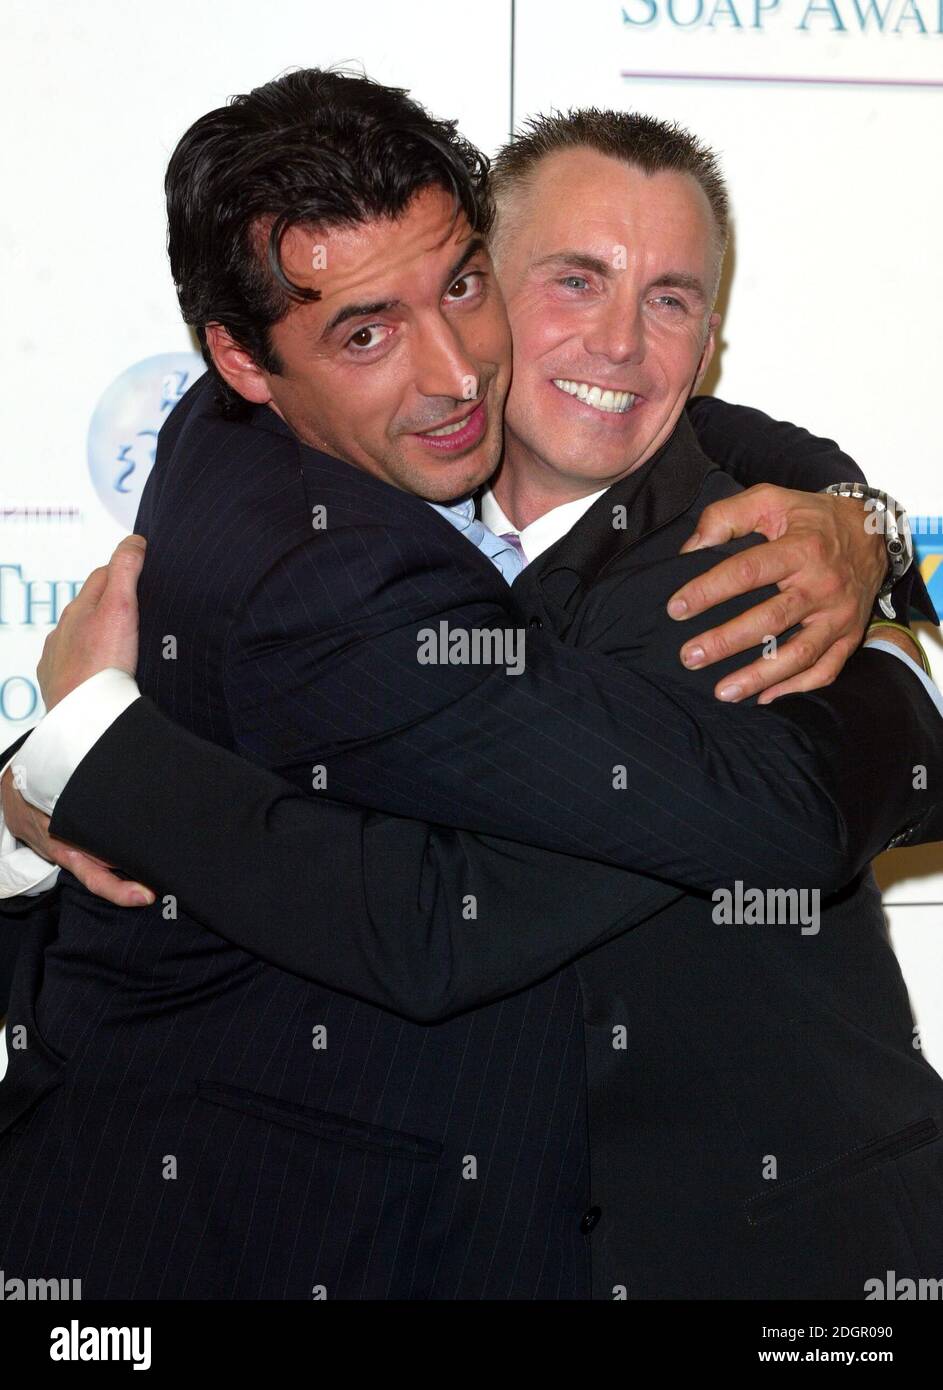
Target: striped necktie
(514, 539)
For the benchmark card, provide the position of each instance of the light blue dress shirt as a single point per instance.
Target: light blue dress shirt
(502, 554)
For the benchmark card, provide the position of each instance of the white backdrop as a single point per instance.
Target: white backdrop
(827, 114)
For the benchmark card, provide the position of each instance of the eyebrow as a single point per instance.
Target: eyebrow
(356, 311)
(579, 260)
(383, 306)
(679, 280)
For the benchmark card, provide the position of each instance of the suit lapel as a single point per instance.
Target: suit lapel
(374, 495)
(655, 494)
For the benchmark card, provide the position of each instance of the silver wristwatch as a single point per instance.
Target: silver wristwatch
(889, 518)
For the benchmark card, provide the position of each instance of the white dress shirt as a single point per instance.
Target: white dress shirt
(541, 534)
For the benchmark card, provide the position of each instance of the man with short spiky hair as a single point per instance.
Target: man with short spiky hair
(594, 293)
(647, 143)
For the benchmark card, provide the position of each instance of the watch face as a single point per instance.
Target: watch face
(894, 525)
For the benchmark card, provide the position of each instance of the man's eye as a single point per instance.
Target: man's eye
(574, 282)
(670, 302)
(363, 338)
(465, 287)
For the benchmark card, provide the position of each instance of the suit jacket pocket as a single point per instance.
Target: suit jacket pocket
(337, 1129)
(840, 1170)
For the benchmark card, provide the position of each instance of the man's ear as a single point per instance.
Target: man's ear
(713, 323)
(237, 368)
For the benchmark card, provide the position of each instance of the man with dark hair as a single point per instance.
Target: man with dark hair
(326, 149)
(274, 1137)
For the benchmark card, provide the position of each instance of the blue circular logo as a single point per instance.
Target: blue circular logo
(122, 436)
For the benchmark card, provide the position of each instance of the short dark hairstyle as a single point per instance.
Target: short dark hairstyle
(317, 148)
(648, 144)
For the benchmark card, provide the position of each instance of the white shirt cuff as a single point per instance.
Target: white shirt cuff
(21, 869)
(62, 738)
(47, 759)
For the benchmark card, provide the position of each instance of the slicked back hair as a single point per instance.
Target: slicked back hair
(316, 148)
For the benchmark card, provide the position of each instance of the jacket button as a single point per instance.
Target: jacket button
(590, 1220)
(535, 624)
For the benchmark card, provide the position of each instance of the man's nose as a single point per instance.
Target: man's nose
(443, 366)
(618, 333)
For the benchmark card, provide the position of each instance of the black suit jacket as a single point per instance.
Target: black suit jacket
(173, 1052)
(762, 1121)
(752, 448)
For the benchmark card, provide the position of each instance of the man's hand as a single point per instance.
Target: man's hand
(98, 629)
(828, 567)
(32, 827)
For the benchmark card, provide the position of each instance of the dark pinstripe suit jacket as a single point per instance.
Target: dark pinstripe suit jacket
(187, 1121)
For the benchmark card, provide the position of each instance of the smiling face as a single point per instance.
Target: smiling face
(402, 366)
(608, 274)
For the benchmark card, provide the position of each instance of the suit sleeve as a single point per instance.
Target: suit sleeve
(575, 752)
(422, 920)
(754, 448)
(876, 727)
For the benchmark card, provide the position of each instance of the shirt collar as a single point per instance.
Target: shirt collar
(462, 514)
(541, 534)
